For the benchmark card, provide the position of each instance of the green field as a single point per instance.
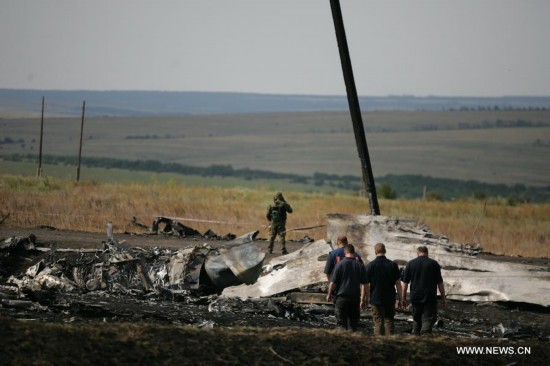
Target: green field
(502, 146)
(104, 175)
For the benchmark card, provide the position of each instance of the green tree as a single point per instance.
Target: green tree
(386, 191)
(433, 196)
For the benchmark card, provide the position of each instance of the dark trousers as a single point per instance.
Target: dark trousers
(424, 317)
(382, 316)
(347, 312)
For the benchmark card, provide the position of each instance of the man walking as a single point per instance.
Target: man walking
(337, 255)
(276, 213)
(424, 274)
(383, 279)
(347, 285)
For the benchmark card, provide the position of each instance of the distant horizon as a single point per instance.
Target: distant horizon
(21, 102)
(282, 94)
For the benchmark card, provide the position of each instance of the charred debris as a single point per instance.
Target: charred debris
(123, 283)
(206, 285)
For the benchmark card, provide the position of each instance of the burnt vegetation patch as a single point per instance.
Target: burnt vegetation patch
(126, 343)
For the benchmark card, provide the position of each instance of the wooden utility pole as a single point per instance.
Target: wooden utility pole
(39, 170)
(354, 108)
(80, 146)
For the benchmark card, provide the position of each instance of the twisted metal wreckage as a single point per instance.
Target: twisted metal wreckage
(119, 268)
(236, 269)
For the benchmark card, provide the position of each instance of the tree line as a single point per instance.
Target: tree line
(389, 186)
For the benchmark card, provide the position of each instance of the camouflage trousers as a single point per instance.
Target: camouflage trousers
(277, 229)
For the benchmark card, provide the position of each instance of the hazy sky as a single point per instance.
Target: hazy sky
(419, 47)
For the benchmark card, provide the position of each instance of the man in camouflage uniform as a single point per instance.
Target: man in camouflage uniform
(276, 213)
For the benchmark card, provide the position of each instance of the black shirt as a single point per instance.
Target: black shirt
(382, 274)
(336, 256)
(348, 275)
(424, 274)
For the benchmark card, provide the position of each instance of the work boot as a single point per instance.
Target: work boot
(285, 251)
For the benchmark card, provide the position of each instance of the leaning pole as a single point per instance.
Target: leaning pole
(80, 145)
(39, 170)
(355, 110)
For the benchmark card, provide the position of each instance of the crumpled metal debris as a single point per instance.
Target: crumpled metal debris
(14, 247)
(170, 226)
(118, 268)
(173, 227)
(17, 243)
(513, 331)
(468, 276)
(294, 270)
(274, 307)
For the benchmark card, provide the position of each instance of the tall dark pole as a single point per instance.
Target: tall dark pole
(355, 110)
(80, 147)
(39, 170)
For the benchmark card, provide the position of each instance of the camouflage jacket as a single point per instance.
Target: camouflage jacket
(276, 212)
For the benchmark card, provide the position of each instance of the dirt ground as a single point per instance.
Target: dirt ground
(161, 328)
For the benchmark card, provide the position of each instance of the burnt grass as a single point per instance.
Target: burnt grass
(162, 328)
(37, 343)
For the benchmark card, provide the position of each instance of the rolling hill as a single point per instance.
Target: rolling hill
(498, 141)
(59, 103)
